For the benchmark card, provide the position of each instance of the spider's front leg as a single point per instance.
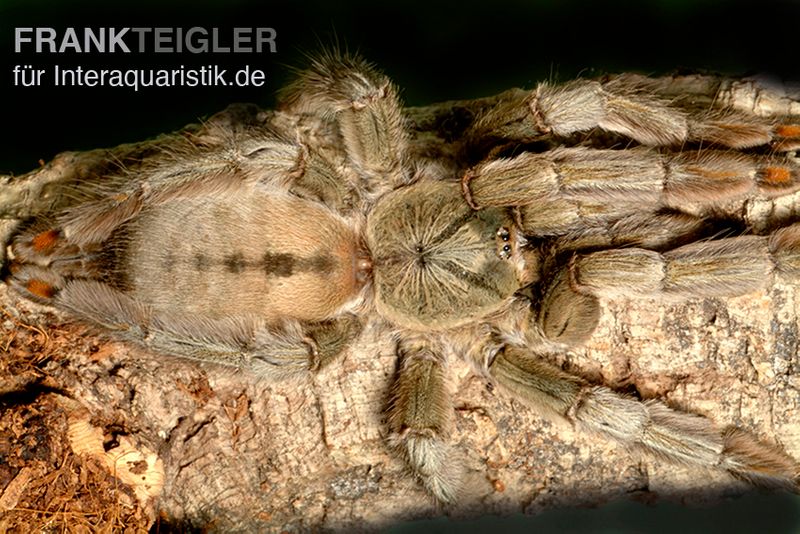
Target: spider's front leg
(721, 268)
(629, 106)
(420, 417)
(650, 425)
(569, 308)
(569, 189)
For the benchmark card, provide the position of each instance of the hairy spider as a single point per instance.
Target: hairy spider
(269, 248)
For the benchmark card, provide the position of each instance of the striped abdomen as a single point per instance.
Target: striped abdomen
(241, 252)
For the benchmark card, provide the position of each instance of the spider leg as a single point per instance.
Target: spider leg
(660, 230)
(724, 267)
(566, 317)
(628, 106)
(756, 96)
(257, 159)
(364, 104)
(638, 178)
(420, 417)
(291, 349)
(44, 245)
(651, 426)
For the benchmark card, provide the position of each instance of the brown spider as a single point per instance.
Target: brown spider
(268, 249)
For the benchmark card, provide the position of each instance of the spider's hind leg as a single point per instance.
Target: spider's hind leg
(274, 352)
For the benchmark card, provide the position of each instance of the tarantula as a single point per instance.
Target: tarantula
(269, 248)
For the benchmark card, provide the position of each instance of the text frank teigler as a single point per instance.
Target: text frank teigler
(127, 42)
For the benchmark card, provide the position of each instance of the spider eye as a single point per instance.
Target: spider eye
(505, 247)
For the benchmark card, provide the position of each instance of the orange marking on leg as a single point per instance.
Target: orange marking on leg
(44, 241)
(40, 288)
(788, 130)
(777, 175)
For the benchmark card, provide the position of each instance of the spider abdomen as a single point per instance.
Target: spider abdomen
(268, 254)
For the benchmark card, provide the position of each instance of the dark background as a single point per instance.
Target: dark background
(434, 51)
